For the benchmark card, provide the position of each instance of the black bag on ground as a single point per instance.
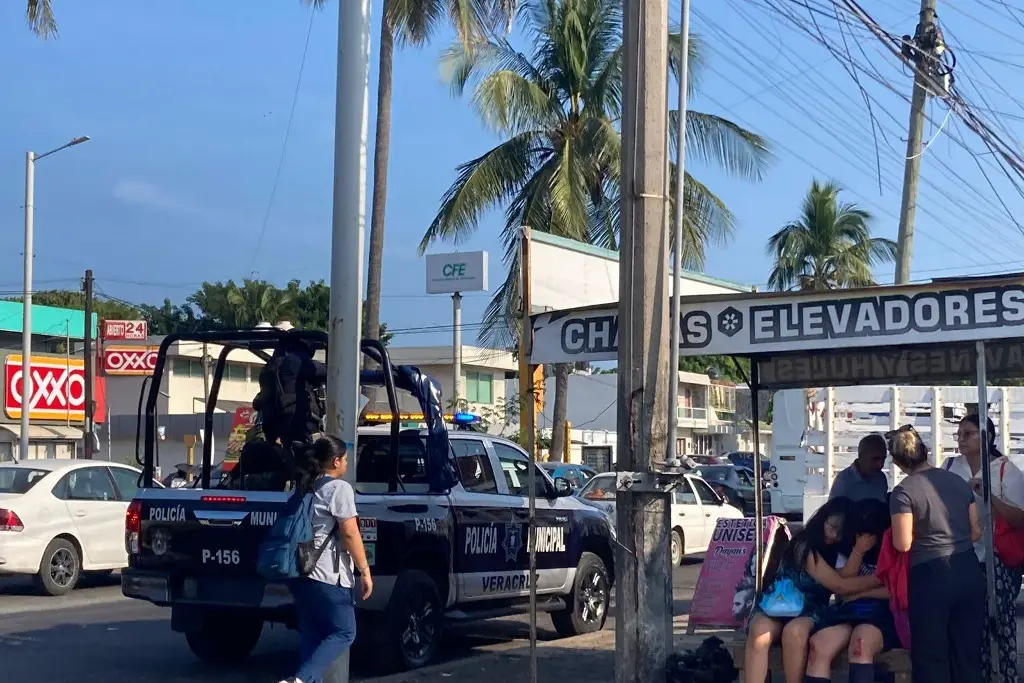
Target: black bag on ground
(709, 663)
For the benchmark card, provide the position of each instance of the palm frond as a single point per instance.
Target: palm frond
(718, 141)
(40, 19)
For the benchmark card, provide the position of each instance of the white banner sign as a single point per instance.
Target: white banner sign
(775, 324)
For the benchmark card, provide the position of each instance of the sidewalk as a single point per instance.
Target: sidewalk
(588, 659)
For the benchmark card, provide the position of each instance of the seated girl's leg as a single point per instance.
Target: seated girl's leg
(866, 641)
(795, 635)
(762, 632)
(823, 648)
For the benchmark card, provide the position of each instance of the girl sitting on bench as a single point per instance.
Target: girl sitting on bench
(862, 623)
(808, 562)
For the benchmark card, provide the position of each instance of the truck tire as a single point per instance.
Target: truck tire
(60, 568)
(224, 637)
(589, 600)
(411, 625)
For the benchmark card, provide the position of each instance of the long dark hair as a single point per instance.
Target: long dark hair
(811, 539)
(869, 516)
(312, 461)
(990, 432)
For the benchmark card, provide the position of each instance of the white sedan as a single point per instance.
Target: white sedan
(59, 518)
(696, 509)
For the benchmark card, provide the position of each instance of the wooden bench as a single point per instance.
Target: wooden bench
(896, 662)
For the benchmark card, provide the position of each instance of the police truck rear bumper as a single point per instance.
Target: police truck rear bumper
(164, 589)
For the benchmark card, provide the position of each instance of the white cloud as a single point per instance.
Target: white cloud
(147, 194)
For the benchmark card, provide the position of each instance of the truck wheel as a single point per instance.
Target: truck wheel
(412, 622)
(224, 637)
(676, 547)
(588, 603)
(60, 568)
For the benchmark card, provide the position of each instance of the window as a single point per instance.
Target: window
(516, 468)
(707, 496)
(474, 466)
(572, 475)
(19, 479)
(127, 482)
(599, 488)
(745, 479)
(684, 495)
(479, 387)
(234, 372)
(89, 483)
(188, 367)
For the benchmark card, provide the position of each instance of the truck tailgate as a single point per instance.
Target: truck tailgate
(202, 533)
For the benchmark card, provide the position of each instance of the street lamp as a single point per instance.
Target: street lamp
(26, 323)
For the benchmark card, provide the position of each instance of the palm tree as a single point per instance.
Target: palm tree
(557, 167)
(413, 22)
(39, 15)
(258, 301)
(829, 247)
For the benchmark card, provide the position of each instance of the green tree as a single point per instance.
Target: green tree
(39, 15)
(413, 22)
(828, 247)
(557, 168)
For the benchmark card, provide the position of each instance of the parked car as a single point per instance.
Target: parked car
(696, 509)
(746, 459)
(61, 518)
(735, 484)
(577, 475)
(708, 459)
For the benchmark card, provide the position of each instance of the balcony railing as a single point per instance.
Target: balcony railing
(690, 413)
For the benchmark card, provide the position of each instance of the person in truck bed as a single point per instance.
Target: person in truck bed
(324, 603)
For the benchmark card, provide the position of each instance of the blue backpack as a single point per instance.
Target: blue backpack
(288, 551)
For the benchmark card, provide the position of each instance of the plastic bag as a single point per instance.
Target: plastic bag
(784, 599)
(709, 663)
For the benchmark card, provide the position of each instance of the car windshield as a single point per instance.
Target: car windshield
(19, 479)
(713, 473)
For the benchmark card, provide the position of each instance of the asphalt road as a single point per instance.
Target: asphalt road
(95, 635)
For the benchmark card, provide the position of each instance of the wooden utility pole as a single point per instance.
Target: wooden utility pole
(923, 55)
(643, 628)
(90, 367)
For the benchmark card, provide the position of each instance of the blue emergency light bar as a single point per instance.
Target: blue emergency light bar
(465, 418)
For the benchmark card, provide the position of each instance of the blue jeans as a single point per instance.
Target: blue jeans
(327, 625)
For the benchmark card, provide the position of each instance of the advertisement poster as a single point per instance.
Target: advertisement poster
(725, 592)
(245, 418)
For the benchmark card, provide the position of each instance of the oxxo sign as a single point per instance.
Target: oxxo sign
(58, 389)
(458, 272)
(129, 360)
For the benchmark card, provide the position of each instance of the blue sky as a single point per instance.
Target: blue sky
(187, 104)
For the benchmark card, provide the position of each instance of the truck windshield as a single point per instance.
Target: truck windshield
(19, 479)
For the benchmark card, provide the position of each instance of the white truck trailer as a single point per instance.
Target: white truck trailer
(815, 432)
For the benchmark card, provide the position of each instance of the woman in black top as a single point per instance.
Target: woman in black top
(934, 519)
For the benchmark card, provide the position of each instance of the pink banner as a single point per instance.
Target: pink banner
(725, 592)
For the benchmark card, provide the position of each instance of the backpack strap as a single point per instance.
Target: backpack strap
(948, 465)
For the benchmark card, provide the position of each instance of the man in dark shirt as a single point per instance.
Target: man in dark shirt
(864, 479)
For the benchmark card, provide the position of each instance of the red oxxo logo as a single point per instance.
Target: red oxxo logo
(58, 388)
(129, 360)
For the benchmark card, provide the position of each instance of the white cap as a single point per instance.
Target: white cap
(264, 326)
(285, 325)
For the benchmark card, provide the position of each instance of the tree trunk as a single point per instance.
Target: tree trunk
(559, 448)
(381, 149)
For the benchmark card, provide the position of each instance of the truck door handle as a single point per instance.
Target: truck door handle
(707, 514)
(79, 513)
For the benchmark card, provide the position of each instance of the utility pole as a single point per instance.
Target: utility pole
(677, 233)
(643, 629)
(90, 367)
(922, 53)
(456, 349)
(348, 224)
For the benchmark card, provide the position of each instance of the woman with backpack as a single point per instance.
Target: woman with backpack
(324, 603)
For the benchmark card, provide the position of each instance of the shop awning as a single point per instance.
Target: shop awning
(41, 432)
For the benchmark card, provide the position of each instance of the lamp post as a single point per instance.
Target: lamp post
(26, 323)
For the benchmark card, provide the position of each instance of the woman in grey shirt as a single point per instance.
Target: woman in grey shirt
(934, 519)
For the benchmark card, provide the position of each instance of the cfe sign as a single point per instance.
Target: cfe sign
(458, 272)
(58, 389)
(125, 330)
(129, 360)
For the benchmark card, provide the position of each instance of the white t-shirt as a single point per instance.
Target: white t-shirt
(334, 501)
(1007, 484)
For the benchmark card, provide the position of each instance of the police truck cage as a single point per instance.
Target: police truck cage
(262, 342)
(945, 331)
